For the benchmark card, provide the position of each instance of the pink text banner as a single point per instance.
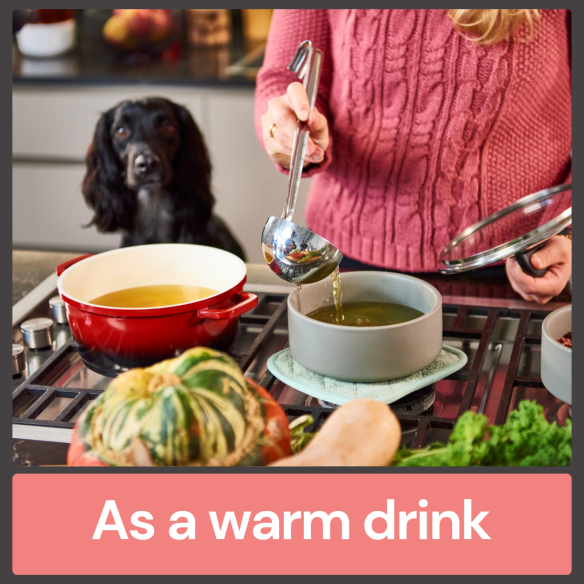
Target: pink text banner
(292, 524)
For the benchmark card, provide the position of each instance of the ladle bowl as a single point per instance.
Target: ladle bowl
(296, 254)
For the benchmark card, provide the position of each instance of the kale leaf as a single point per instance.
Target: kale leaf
(526, 439)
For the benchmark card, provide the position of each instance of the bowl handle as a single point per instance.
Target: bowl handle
(247, 302)
(62, 267)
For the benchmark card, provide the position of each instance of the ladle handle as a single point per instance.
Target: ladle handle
(301, 140)
(524, 261)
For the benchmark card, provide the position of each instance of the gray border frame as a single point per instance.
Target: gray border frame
(8, 470)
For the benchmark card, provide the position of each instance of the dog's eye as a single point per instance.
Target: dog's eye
(122, 132)
(167, 128)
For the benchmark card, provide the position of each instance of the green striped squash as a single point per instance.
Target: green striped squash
(196, 409)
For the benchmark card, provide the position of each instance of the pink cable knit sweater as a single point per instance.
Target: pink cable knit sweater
(430, 132)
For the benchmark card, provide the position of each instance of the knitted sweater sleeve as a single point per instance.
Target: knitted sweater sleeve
(288, 29)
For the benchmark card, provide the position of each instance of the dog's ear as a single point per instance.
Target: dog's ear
(192, 172)
(104, 188)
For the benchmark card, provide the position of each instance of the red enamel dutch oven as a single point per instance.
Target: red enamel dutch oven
(110, 339)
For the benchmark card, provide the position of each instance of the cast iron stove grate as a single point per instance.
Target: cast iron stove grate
(502, 345)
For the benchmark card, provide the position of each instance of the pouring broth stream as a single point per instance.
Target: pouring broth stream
(338, 296)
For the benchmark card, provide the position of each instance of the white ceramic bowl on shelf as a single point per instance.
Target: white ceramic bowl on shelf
(46, 40)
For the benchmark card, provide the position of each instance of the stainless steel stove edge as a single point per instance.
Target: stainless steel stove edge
(41, 433)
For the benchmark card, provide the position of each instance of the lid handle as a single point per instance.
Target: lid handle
(524, 261)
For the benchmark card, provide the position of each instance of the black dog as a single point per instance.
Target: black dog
(148, 175)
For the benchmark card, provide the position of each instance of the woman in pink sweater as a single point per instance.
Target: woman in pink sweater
(426, 121)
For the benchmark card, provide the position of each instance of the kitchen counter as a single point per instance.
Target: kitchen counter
(30, 268)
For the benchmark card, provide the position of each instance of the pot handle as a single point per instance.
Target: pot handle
(247, 302)
(62, 267)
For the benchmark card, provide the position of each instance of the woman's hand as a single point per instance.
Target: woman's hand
(556, 256)
(283, 112)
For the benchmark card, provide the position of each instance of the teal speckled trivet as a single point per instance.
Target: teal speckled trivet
(335, 391)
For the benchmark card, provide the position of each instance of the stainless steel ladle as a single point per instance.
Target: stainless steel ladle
(294, 253)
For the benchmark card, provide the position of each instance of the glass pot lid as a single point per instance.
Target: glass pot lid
(517, 230)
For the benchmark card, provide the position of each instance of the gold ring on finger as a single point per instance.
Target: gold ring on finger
(272, 130)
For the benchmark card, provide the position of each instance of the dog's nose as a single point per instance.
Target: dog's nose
(146, 163)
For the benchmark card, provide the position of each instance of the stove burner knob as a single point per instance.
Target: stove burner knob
(18, 362)
(58, 311)
(37, 333)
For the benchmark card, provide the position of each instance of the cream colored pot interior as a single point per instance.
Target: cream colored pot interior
(151, 265)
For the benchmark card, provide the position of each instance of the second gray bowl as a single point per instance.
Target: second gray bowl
(556, 360)
(370, 353)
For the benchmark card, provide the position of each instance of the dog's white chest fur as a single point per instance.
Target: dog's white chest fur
(154, 218)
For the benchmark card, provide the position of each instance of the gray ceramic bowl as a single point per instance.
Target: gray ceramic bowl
(556, 360)
(370, 353)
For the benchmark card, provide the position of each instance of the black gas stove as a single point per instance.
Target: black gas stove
(502, 339)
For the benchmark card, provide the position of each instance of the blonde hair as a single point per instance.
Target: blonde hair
(489, 26)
